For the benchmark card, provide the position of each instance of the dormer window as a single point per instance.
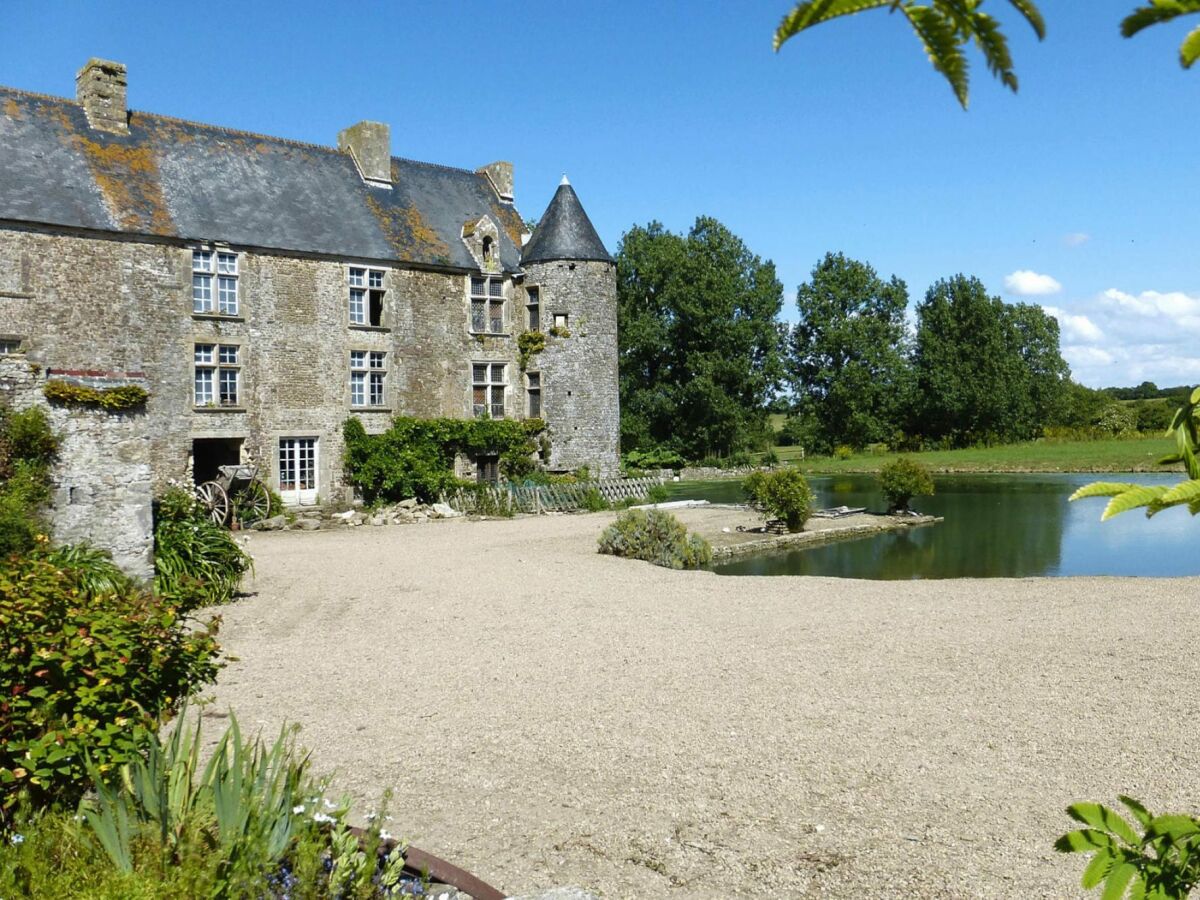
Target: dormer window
(489, 252)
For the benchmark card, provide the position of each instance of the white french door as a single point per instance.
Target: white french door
(298, 471)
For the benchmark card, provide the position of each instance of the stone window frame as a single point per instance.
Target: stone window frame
(11, 344)
(372, 282)
(488, 384)
(224, 363)
(216, 282)
(368, 372)
(533, 307)
(533, 395)
(482, 304)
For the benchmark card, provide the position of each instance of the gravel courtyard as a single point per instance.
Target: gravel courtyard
(549, 716)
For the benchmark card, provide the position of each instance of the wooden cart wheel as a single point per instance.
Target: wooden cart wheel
(253, 502)
(215, 500)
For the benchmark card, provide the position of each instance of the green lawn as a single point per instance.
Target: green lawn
(1139, 455)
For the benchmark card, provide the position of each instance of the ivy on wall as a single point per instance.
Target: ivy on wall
(114, 399)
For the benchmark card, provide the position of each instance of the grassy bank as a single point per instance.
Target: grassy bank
(1138, 455)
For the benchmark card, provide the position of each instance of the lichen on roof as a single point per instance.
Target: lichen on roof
(406, 231)
(128, 179)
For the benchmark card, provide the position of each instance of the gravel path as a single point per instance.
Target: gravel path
(548, 716)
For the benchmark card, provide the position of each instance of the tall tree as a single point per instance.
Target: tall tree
(847, 361)
(946, 27)
(985, 371)
(699, 341)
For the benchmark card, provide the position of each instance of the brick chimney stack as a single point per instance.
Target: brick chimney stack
(100, 89)
(370, 143)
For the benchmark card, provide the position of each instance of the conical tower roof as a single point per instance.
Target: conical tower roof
(564, 232)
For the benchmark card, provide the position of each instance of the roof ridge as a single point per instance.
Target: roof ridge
(241, 132)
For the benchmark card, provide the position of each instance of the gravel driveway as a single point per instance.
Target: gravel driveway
(549, 716)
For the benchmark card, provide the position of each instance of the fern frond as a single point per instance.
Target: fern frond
(1184, 492)
(942, 45)
(1139, 496)
(994, 46)
(1156, 12)
(1101, 489)
(814, 12)
(1032, 15)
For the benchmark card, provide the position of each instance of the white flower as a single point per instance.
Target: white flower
(371, 816)
(296, 810)
(322, 819)
(18, 839)
(385, 835)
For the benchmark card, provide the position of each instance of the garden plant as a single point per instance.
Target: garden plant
(902, 480)
(656, 537)
(782, 494)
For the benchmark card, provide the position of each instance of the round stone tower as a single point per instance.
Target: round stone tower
(571, 296)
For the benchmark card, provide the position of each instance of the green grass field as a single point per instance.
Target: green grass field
(1138, 455)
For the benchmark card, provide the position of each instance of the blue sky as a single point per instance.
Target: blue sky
(846, 140)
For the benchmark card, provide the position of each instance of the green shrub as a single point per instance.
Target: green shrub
(656, 537)
(770, 458)
(1117, 420)
(27, 449)
(658, 494)
(25, 437)
(415, 457)
(841, 451)
(653, 458)
(93, 568)
(113, 399)
(903, 479)
(783, 494)
(85, 673)
(1161, 862)
(251, 823)
(196, 562)
(593, 500)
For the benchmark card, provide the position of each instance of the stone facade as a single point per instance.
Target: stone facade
(102, 480)
(86, 285)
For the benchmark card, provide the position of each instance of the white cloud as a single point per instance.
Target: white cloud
(1025, 283)
(1076, 238)
(1075, 328)
(1124, 338)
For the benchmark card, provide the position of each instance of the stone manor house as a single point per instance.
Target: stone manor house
(263, 290)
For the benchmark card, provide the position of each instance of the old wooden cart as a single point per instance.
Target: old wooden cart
(235, 495)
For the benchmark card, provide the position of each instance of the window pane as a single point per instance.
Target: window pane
(478, 315)
(204, 353)
(535, 404)
(478, 287)
(358, 382)
(227, 263)
(227, 295)
(228, 354)
(495, 288)
(204, 386)
(496, 317)
(377, 360)
(534, 296)
(498, 373)
(497, 403)
(202, 293)
(201, 260)
(358, 359)
(375, 279)
(479, 373)
(535, 380)
(356, 277)
(229, 387)
(377, 389)
(358, 314)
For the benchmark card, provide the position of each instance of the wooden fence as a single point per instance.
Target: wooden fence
(507, 499)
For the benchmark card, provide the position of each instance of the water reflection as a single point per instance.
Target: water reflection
(1010, 526)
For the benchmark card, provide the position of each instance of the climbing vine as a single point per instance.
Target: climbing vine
(530, 343)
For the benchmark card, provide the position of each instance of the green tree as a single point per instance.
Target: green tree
(847, 361)
(985, 371)
(699, 340)
(946, 27)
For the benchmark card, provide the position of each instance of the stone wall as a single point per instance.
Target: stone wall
(116, 304)
(102, 486)
(580, 392)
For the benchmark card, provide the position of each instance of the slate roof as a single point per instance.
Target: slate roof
(199, 182)
(564, 232)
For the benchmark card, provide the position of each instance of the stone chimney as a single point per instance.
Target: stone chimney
(370, 144)
(100, 89)
(501, 175)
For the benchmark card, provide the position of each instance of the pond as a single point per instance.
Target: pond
(997, 526)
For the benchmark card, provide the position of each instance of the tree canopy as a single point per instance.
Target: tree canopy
(946, 27)
(699, 340)
(846, 361)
